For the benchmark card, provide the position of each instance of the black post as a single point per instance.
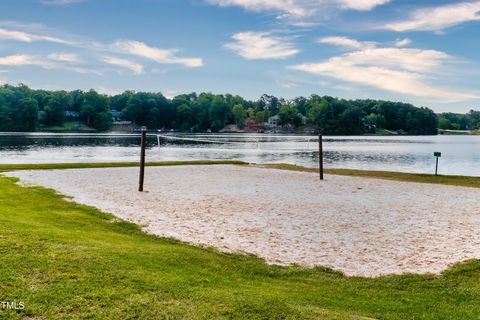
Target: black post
(142, 158)
(320, 155)
(437, 155)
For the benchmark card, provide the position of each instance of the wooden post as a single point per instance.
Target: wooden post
(437, 155)
(143, 144)
(320, 155)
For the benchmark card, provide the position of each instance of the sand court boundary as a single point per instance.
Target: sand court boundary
(360, 226)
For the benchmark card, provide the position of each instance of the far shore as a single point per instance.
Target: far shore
(129, 132)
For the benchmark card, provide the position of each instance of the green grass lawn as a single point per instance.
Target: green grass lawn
(49, 166)
(69, 261)
(462, 181)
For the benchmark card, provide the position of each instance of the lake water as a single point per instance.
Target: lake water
(460, 154)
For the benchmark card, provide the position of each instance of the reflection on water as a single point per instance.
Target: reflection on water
(460, 154)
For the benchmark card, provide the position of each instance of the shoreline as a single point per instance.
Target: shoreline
(452, 180)
(135, 132)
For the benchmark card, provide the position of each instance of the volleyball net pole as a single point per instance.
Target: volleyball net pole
(143, 143)
(320, 155)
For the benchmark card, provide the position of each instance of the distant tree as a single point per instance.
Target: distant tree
(20, 108)
(6, 111)
(271, 103)
(95, 105)
(351, 121)
(185, 117)
(473, 120)
(239, 115)
(26, 117)
(317, 112)
(152, 109)
(56, 107)
(289, 115)
(119, 101)
(301, 104)
(390, 113)
(251, 113)
(77, 100)
(201, 107)
(411, 123)
(375, 120)
(167, 113)
(42, 97)
(219, 113)
(261, 116)
(421, 121)
(454, 121)
(102, 121)
(444, 123)
(6, 121)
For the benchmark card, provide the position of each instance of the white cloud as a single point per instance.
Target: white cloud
(133, 66)
(261, 45)
(402, 42)
(17, 60)
(362, 4)
(13, 30)
(64, 57)
(408, 59)
(42, 62)
(399, 70)
(438, 18)
(163, 56)
(170, 93)
(288, 7)
(298, 10)
(108, 91)
(347, 42)
(6, 34)
(350, 44)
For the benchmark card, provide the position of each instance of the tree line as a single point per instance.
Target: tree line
(456, 121)
(25, 109)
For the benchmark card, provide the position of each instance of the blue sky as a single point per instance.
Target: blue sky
(423, 52)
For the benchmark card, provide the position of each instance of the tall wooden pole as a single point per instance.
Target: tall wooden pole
(320, 155)
(143, 144)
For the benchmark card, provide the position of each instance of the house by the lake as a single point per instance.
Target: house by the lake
(116, 115)
(253, 126)
(273, 122)
(303, 119)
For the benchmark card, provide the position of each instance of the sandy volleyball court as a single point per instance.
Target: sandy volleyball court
(359, 226)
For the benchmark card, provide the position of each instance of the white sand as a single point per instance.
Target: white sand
(359, 226)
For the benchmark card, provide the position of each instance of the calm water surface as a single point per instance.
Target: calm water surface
(460, 154)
